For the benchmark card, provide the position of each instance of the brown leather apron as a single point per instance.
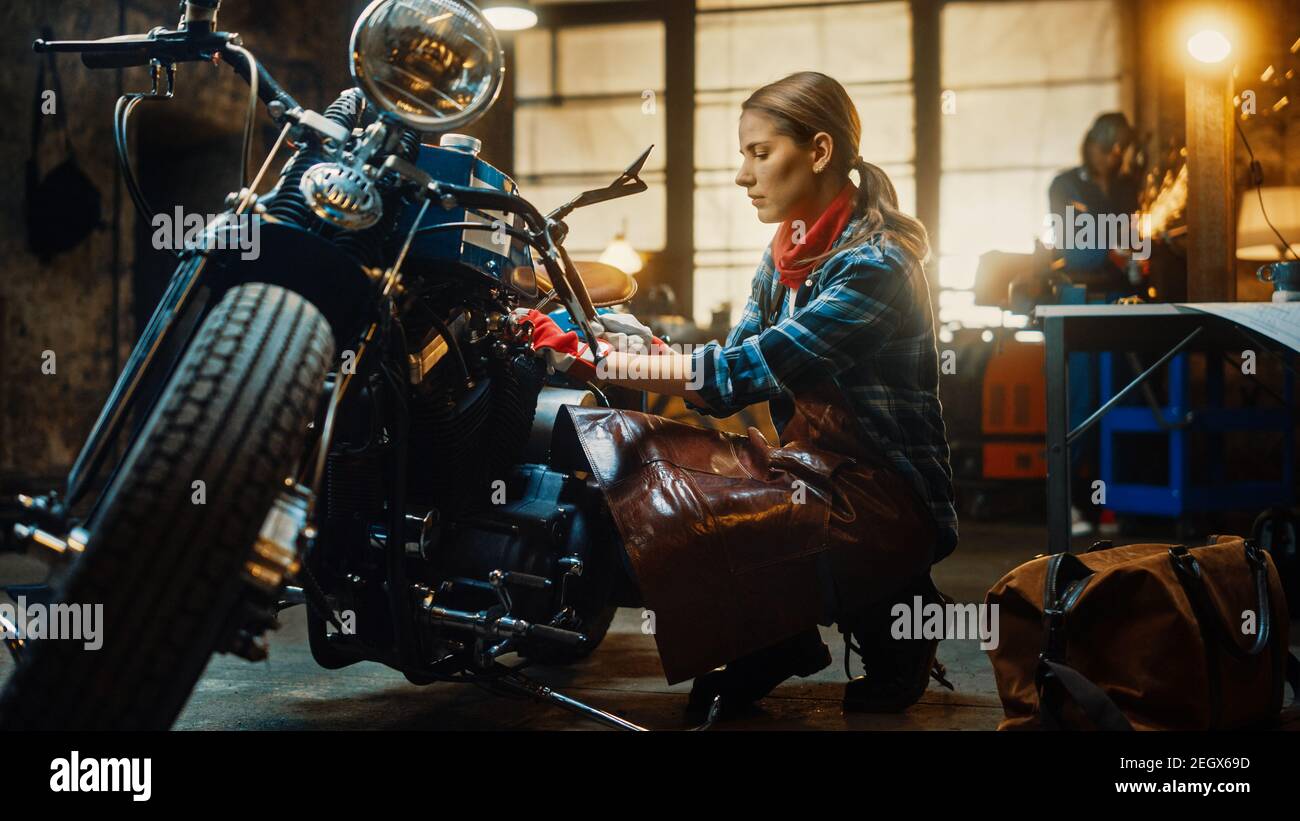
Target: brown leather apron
(737, 544)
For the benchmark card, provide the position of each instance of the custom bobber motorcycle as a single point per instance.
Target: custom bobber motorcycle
(352, 419)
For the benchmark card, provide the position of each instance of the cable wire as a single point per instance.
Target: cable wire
(121, 114)
(1257, 179)
(251, 116)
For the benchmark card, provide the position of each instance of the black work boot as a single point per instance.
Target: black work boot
(897, 670)
(750, 678)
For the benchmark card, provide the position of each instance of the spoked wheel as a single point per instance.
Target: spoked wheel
(177, 524)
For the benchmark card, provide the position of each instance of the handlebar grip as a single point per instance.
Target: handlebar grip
(109, 52)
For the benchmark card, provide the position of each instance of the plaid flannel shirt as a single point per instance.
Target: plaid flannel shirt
(864, 317)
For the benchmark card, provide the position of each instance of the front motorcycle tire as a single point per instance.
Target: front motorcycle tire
(178, 521)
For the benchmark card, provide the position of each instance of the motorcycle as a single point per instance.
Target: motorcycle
(352, 419)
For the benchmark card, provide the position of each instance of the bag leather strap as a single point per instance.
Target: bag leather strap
(1188, 571)
(1063, 569)
(1055, 680)
(1100, 709)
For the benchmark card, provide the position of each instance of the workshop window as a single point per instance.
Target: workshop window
(866, 46)
(1022, 82)
(589, 100)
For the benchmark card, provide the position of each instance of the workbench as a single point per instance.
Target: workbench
(1167, 329)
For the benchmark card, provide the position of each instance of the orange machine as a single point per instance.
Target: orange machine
(1014, 418)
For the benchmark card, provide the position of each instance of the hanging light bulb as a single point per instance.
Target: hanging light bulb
(621, 254)
(510, 15)
(1209, 46)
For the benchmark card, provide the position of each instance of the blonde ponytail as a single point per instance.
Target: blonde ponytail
(878, 203)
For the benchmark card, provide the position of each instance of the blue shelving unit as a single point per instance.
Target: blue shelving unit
(1181, 496)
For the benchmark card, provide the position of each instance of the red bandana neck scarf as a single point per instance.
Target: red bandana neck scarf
(791, 258)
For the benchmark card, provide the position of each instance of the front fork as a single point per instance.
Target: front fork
(49, 520)
(183, 291)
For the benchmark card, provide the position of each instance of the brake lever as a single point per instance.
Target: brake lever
(158, 70)
(123, 51)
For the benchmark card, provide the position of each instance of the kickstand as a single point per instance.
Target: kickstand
(940, 674)
(519, 683)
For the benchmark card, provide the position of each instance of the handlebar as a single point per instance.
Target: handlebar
(110, 52)
(126, 50)
(267, 88)
(168, 47)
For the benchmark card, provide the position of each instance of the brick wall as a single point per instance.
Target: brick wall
(66, 306)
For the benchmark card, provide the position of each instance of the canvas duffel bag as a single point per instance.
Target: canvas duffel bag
(1143, 636)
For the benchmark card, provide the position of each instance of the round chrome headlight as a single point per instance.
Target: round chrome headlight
(436, 65)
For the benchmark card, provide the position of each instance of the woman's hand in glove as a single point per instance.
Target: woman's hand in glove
(563, 350)
(672, 373)
(628, 334)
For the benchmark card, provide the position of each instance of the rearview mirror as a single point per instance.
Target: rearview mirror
(627, 183)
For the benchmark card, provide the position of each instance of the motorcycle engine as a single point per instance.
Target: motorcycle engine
(553, 534)
(464, 437)
(497, 512)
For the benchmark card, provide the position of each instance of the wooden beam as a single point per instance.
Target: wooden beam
(1211, 232)
(927, 93)
(679, 161)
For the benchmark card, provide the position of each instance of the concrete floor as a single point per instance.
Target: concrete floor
(624, 676)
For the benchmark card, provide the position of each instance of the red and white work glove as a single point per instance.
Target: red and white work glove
(564, 350)
(628, 334)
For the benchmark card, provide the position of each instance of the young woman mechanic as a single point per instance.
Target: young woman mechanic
(739, 547)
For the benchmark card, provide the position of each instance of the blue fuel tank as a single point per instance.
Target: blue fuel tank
(468, 251)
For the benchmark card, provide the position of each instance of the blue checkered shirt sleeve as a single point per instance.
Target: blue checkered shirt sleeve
(860, 304)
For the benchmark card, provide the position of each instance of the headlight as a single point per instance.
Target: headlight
(434, 64)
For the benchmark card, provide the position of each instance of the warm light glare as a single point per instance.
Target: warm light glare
(622, 256)
(1209, 46)
(510, 18)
